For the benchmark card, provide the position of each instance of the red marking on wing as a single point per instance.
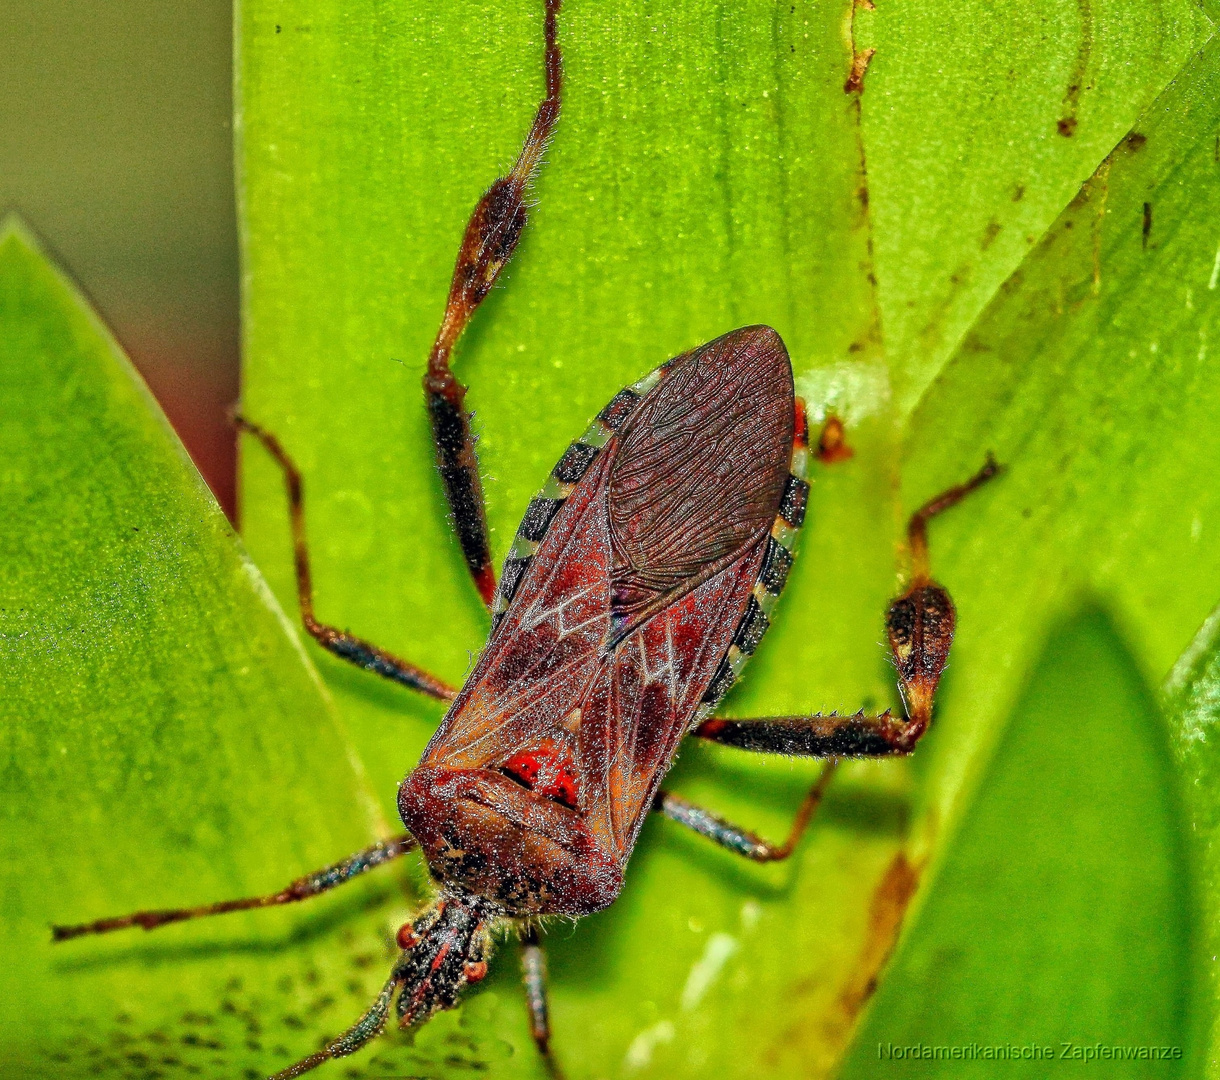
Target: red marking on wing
(680, 491)
(549, 768)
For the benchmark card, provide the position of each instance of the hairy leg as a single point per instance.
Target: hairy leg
(533, 977)
(319, 881)
(734, 837)
(920, 625)
(356, 650)
(490, 239)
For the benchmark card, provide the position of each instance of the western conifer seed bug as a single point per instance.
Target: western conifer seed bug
(640, 581)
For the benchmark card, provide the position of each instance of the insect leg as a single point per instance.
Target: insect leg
(920, 625)
(354, 649)
(740, 840)
(820, 735)
(491, 236)
(533, 976)
(319, 881)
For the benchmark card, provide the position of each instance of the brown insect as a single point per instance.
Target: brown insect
(641, 580)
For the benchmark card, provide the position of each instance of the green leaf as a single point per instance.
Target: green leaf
(1192, 702)
(1064, 899)
(1090, 376)
(711, 171)
(166, 741)
(981, 121)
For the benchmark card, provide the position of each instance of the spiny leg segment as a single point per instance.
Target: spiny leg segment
(356, 650)
(303, 888)
(491, 236)
(920, 625)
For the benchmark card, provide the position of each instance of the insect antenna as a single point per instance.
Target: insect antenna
(368, 1027)
(444, 948)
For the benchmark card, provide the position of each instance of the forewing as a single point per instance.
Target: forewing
(699, 468)
(675, 510)
(545, 651)
(640, 707)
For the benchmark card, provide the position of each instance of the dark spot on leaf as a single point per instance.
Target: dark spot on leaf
(197, 1018)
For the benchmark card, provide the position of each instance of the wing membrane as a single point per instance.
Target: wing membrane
(616, 627)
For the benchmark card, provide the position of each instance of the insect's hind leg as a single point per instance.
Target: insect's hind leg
(491, 237)
(734, 837)
(319, 881)
(356, 650)
(920, 624)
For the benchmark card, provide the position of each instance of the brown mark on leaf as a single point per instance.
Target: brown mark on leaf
(1084, 52)
(932, 333)
(890, 901)
(1100, 179)
(1135, 141)
(1147, 230)
(832, 443)
(1018, 192)
(873, 330)
(989, 234)
(859, 65)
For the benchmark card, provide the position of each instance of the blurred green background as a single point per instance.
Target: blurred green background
(116, 148)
